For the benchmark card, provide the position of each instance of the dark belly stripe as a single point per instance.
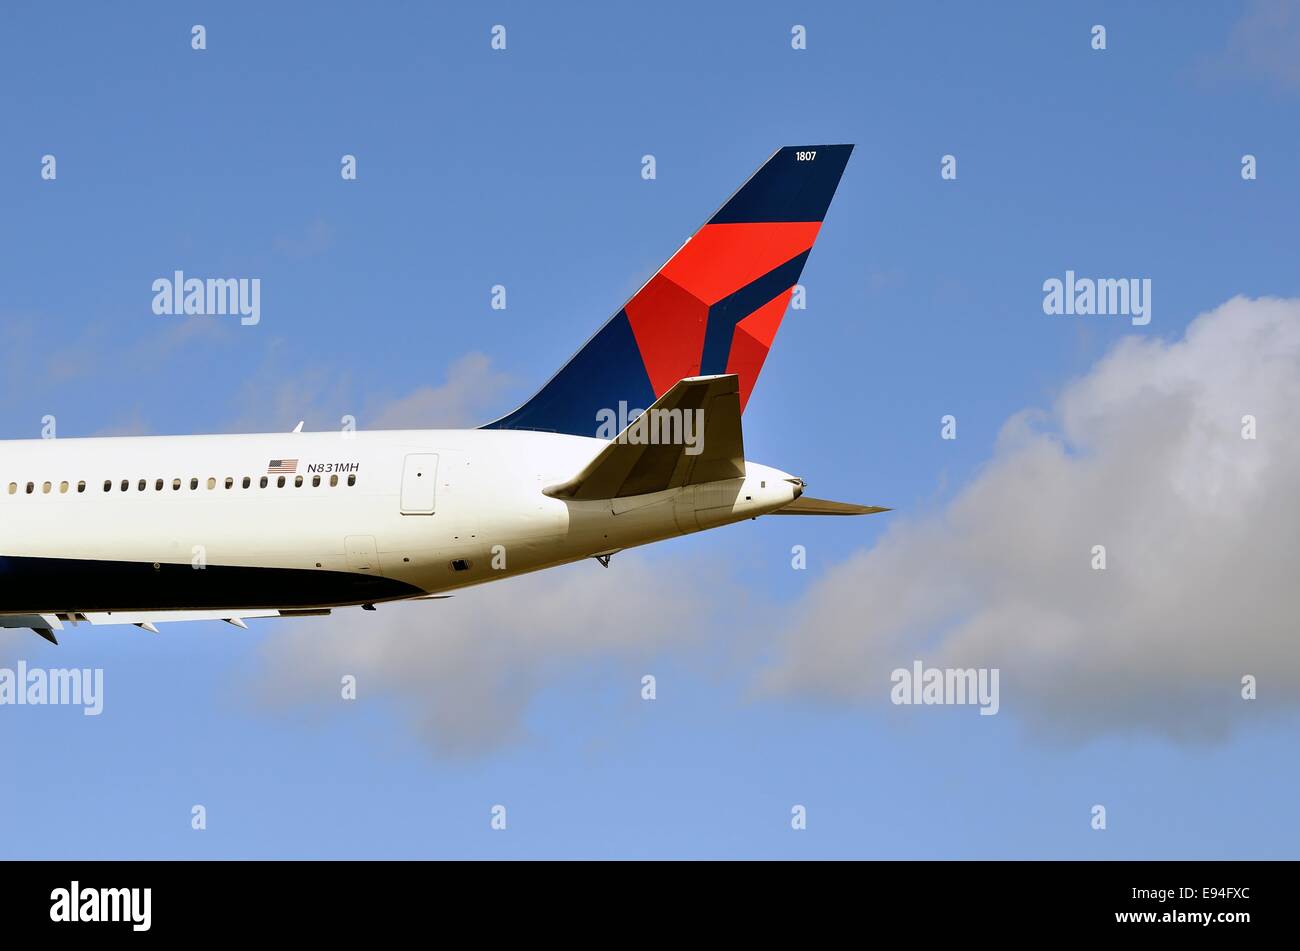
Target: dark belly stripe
(50, 585)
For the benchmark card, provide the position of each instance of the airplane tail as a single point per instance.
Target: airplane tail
(713, 309)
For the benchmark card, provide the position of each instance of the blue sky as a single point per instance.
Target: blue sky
(522, 167)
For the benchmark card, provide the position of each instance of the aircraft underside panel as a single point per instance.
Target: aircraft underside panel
(45, 585)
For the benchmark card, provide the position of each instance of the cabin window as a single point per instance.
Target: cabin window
(176, 485)
(352, 479)
(45, 488)
(460, 564)
(158, 486)
(334, 480)
(63, 488)
(297, 482)
(13, 488)
(212, 483)
(108, 485)
(262, 483)
(315, 482)
(230, 482)
(125, 485)
(247, 482)
(81, 486)
(30, 488)
(140, 487)
(194, 484)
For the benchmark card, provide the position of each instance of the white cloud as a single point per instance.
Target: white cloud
(40, 359)
(1263, 45)
(470, 395)
(465, 398)
(463, 672)
(1144, 455)
(317, 238)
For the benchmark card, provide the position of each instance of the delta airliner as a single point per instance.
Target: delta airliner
(146, 530)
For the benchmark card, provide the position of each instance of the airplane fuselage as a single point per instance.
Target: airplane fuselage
(316, 520)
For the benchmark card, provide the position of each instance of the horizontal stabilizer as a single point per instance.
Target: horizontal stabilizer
(809, 506)
(689, 436)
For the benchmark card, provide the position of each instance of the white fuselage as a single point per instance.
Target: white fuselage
(166, 523)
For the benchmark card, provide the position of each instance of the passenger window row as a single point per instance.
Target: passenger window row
(158, 484)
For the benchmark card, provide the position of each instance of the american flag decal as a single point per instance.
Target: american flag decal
(282, 467)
